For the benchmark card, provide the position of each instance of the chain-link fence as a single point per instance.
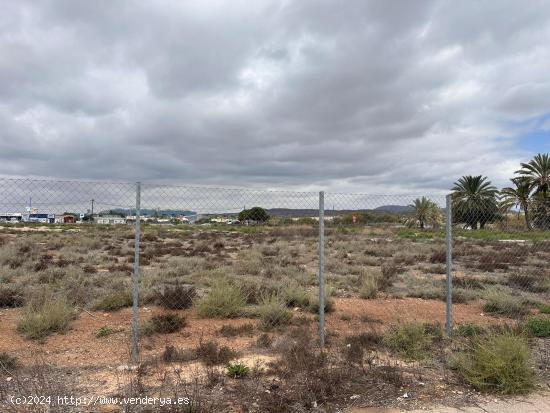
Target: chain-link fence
(114, 265)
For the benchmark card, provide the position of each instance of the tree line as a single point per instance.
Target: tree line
(476, 202)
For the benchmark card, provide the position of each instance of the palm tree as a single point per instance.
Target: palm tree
(518, 196)
(537, 170)
(474, 201)
(425, 212)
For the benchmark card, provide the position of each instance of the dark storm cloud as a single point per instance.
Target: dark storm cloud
(356, 95)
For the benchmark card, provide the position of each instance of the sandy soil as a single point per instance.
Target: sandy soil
(80, 347)
(535, 403)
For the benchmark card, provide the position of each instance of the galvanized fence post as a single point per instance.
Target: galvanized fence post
(449, 241)
(322, 268)
(135, 278)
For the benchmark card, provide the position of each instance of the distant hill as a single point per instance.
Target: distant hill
(394, 209)
(152, 212)
(384, 209)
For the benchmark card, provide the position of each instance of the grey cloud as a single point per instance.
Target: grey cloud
(357, 95)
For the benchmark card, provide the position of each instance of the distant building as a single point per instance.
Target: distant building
(11, 217)
(65, 219)
(110, 220)
(41, 218)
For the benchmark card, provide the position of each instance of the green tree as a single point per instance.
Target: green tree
(254, 214)
(537, 170)
(425, 212)
(518, 196)
(474, 201)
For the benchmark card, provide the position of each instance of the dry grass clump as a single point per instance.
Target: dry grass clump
(296, 295)
(537, 282)
(412, 340)
(499, 301)
(369, 286)
(223, 301)
(114, 301)
(272, 312)
(498, 363)
(45, 314)
(228, 330)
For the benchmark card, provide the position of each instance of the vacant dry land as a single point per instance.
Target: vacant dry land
(228, 315)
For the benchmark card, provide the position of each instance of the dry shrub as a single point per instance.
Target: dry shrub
(438, 257)
(490, 263)
(228, 330)
(172, 354)
(389, 275)
(89, 269)
(536, 282)
(308, 377)
(11, 297)
(177, 297)
(167, 323)
(211, 354)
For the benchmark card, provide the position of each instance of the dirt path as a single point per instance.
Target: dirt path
(536, 403)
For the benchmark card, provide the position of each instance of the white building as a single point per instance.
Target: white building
(110, 220)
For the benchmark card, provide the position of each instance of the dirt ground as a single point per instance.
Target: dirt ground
(535, 403)
(80, 346)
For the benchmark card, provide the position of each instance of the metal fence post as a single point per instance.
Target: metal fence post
(449, 240)
(322, 268)
(135, 278)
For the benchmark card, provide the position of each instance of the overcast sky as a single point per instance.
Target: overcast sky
(360, 96)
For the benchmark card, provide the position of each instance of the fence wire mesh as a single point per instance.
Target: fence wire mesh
(216, 264)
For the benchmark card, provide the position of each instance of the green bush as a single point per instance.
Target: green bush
(498, 363)
(468, 330)
(538, 326)
(544, 308)
(411, 340)
(273, 312)
(115, 301)
(44, 315)
(104, 332)
(223, 301)
(237, 370)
